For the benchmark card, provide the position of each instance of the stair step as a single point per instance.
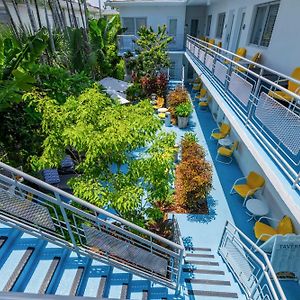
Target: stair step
(200, 249)
(76, 281)
(208, 281)
(18, 270)
(2, 240)
(202, 262)
(124, 291)
(200, 255)
(202, 271)
(50, 273)
(212, 294)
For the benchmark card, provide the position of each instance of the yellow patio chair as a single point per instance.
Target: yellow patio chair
(254, 182)
(263, 231)
(241, 52)
(220, 133)
(227, 152)
(197, 80)
(255, 58)
(159, 103)
(196, 87)
(211, 42)
(219, 44)
(292, 86)
(201, 94)
(203, 104)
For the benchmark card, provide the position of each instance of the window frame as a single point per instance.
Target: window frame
(268, 6)
(135, 30)
(208, 25)
(219, 35)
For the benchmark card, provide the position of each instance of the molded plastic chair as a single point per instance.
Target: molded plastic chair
(201, 94)
(196, 87)
(227, 152)
(221, 132)
(241, 52)
(197, 80)
(255, 58)
(211, 42)
(219, 44)
(263, 231)
(254, 182)
(159, 103)
(292, 86)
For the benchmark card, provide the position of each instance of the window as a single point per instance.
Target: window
(208, 25)
(172, 27)
(263, 25)
(133, 25)
(4, 18)
(172, 69)
(220, 25)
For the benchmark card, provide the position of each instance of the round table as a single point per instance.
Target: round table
(257, 208)
(162, 110)
(226, 142)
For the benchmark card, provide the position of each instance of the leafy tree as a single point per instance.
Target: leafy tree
(102, 136)
(152, 56)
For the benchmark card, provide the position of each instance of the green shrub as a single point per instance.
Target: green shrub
(184, 109)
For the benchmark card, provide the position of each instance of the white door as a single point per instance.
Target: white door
(228, 32)
(240, 25)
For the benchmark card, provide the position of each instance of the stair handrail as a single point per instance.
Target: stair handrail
(234, 234)
(158, 244)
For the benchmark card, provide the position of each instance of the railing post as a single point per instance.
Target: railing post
(178, 282)
(297, 179)
(64, 214)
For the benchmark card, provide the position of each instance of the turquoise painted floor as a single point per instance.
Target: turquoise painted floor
(206, 230)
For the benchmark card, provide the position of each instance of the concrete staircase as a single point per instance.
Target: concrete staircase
(206, 276)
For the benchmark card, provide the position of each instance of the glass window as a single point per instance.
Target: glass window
(220, 25)
(173, 27)
(139, 22)
(128, 23)
(264, 22)
(208, 25)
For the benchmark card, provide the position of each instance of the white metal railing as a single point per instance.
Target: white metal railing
(46, 211)
(246, 86)
(250, 265)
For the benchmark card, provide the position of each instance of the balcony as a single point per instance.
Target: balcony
(245, 86)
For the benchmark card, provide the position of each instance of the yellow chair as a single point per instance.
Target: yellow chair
(196, 87)
(159, 103)
(211, 42)
(201, 94)
(255, 58)
(240, 52)
(263, 231)
(197, 80)
(162, 115)
(203, 104)
(293, 87)
(227, 152)
(219, 44)
(221, 133)
(254, 182)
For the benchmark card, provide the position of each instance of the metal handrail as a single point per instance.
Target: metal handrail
(288, 162)
(245, 59)
(235, 235)
(68, 221)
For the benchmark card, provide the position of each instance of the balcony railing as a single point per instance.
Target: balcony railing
(246, 87)
(250, 265)
(50, 213)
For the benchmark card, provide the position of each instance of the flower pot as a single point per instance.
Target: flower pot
(182, 122)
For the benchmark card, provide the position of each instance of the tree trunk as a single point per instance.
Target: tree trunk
(18, 14)
(31, 16)
(62, 13)
(38, 13)
(74, 15)
(69, 14)
(81, 14)
(14, 27)
(86, 13)
(52, 45)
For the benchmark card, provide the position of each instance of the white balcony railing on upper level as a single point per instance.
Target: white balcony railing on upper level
(48, 212)
(126, 43)
(246, 86)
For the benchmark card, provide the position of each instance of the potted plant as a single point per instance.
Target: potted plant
(183, 112)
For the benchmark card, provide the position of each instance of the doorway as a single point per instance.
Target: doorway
(194, 27)
(240, 25)
(229, 29)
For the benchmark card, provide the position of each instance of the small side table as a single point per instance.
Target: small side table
(256, 207)
(226, 142)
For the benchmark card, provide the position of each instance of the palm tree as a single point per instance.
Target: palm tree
(52, 45)
(18, 15)
(38, 13)
(14, 27)
(69, 14)
(73, 14)
(86, 12)
(31, 16)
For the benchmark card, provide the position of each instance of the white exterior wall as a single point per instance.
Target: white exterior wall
(159, 15)
(198, 13)
(283, 51)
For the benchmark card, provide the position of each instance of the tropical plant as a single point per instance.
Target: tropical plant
(134, 92)
(152, 57)
(154, 84)
(105, 133)
(184, 109)
(193, 179)
(175, 98)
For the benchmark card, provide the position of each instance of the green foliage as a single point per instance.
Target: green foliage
(102, 134)
(134, 92)
(15, 60)
(184, 109)
(152, 56)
